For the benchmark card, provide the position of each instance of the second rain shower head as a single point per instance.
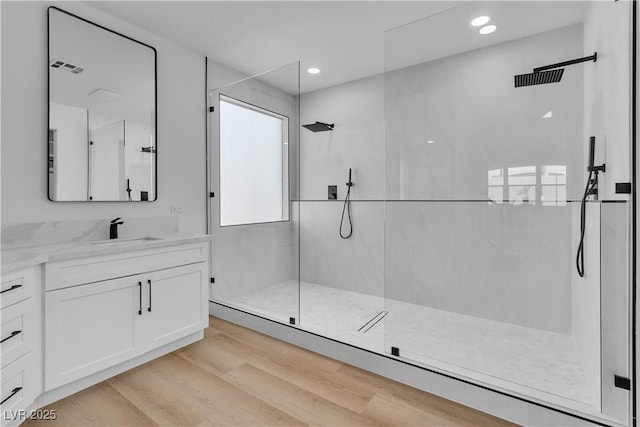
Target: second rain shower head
(539, 78)
(319, 127)
(549, 73)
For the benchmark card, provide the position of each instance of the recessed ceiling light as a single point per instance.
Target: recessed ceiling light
(430, 141)
(548, 115)
(313, 70)
(488, 29)
(480, 20)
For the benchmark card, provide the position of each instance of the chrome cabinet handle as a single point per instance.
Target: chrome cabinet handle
(14, 287)
(13, 334)
(149, 282)
(13, 393)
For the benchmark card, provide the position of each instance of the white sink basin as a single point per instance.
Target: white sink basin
(125, 241)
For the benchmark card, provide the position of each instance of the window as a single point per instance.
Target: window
(254, 164)
(496, 182)
(522, 185)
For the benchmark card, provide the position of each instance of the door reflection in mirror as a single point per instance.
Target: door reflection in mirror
(102, 113)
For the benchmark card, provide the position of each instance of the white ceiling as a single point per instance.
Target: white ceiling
(450, 32)
(110, 62)
(345, 39)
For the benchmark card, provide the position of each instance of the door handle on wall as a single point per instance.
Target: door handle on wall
(149, 282)
(140, 293)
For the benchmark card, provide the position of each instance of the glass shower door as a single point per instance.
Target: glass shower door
(483, 197)
(342, 238)
(254, 216)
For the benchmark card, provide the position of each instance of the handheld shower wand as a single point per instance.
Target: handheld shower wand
(590, 189)
(347, 207)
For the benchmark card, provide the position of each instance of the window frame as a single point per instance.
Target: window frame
(286, 192)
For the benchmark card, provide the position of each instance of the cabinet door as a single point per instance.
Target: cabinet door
(91, 327)
(176, 301)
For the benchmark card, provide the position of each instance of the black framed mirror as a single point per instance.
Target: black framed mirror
(102, 113)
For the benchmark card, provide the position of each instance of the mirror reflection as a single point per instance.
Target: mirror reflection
(102, 113)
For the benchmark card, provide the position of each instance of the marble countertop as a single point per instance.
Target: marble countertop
(14, 258)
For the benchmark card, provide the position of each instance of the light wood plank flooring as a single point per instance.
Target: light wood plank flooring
(238, 377)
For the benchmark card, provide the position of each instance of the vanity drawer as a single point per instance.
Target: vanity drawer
(17, 286)
(19, 388)
(63, 274)
(17, 331)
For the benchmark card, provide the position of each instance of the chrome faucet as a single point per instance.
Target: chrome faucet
(113, 228)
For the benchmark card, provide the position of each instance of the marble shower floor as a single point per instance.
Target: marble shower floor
(514, 355)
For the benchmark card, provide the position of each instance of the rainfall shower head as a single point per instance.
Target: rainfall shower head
(538, 78)
(549, 73)
(319, 127)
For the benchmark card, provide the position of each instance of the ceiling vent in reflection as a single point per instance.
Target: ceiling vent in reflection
(107, 95)
(73, 69)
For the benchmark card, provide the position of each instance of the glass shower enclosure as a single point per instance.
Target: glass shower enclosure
(254, 175)
(468, 202)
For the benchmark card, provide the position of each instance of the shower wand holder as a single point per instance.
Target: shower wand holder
(602, 168)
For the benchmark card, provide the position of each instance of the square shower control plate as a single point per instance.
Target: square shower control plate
(332, 193)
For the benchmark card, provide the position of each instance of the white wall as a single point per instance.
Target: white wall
(586, 297)
(357, 110)
(71, 151)
(607, 95)
(181, 123)
(468, 105)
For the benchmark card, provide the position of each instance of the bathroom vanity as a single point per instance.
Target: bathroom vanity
(21, 347)
(78, 313)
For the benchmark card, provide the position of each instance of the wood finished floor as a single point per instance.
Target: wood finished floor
(238, 377)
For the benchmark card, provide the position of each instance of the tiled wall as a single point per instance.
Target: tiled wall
(507, 262)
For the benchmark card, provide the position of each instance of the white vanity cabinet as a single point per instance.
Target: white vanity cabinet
(104, 310)
(89, 328)
(177, 304)
(20, 347)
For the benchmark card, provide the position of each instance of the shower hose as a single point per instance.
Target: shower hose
(347, 208)
(591, 185)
